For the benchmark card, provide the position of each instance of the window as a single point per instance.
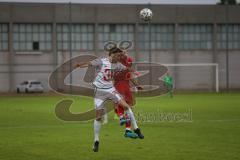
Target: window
(35, 46)
(161, 36)
(3, 37)
(114, 32)
(32, 37)
(82, 37)
(228, 33)
(195, 36)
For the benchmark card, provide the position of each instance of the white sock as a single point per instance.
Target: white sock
(97, 126)
(133, 120)
(105, 118)
(128, 129)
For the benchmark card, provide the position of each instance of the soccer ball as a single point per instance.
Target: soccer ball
(146, 14)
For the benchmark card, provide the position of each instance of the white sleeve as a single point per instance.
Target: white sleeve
(121, 67)
(96, 62)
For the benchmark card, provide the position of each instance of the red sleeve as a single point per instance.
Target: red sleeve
(129, 61)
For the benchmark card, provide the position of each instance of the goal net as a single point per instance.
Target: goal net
(195, 76)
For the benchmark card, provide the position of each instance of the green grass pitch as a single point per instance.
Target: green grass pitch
(29, 130)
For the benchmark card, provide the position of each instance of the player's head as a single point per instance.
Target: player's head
(124, 54)
(115, 54)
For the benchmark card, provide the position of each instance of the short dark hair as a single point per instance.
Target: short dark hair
(114, 50)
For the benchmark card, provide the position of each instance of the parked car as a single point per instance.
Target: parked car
(30, 86)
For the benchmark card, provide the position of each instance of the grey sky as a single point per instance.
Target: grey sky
(121, 1)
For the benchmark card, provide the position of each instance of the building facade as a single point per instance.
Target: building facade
(36, 38)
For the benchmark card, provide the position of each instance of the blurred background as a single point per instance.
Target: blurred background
(198, 41)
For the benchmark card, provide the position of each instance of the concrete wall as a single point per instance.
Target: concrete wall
(16, 67)
(4, 72)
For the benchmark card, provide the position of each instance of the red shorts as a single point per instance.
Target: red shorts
(123, 88)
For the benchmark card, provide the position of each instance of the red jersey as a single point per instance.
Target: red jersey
(124, 76)
(122, 81)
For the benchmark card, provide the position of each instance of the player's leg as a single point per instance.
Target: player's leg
(117, 98)
(99, 108)
(116, 117)
(124, 119)
(105, 116)
(128, 110)
(169, 87)
(120, 113)
(124, 90)
(97, 127)
(129, 99)
(171, 90)
(119, 109)
(130, 113)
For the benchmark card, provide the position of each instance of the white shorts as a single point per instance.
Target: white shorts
(102, 95)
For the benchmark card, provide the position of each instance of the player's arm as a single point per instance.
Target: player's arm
(82, 65)
(132, 71)
(132, 79)
(95, 62)
(136, 84)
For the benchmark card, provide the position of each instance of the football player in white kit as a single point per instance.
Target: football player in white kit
(105, 90)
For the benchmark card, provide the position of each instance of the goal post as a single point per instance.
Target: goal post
(193, 67)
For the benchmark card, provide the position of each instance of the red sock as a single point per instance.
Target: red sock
(128, 124)
(120, 111)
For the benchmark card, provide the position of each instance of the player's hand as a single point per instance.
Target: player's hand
(139, 87)
(77, 65)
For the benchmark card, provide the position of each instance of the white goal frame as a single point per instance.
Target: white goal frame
(200, 64)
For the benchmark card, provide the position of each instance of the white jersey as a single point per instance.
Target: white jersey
(105, 71)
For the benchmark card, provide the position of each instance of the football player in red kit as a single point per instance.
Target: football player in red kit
(122, 85)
